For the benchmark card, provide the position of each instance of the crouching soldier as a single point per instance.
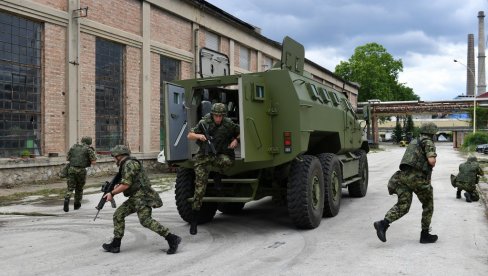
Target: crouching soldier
(467, 179)
(414, 176)
(142, 198)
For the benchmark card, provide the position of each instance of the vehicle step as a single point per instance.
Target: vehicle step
(227, 199)
(350, 181)
(236, 180)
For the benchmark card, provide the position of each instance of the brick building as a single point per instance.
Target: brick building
(73, 68)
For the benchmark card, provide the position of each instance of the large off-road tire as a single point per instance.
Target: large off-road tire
(305, 192)
(184, 189)
(332, 183)
(231, 208)
(360, 188)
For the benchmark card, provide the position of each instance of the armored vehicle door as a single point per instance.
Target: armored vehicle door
(255, 120)
(176, 143)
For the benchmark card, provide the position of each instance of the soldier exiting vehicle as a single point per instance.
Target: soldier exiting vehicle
(225, 137)
(80, 156)
(142, 198)
(414, 176)
(467, 179)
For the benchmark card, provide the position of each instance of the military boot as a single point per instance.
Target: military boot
(458, 194)
(468, 197)
(77, 205)
(425, 237)
(66, 205)
(113, 247)
(194, 222)
(381, 226)
(173, 242)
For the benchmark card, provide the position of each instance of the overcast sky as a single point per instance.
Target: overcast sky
(425, 34)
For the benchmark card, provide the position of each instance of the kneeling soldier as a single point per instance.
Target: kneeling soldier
(467, 179)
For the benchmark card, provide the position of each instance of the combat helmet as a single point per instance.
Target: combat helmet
(219, 109)
(472, 159)
(428, 128)
(119, 150)
(86, 140)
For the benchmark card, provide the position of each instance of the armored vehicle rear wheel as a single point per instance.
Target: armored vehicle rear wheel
(305, 192)
(184, 189)
(360, 188)
(231, 208)
(332, 183)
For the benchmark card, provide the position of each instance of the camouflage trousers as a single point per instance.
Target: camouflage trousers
(202, 166)
(470, 188)
(76, 182)
(133, 205)
(405, 184)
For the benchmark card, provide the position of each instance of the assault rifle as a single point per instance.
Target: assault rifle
(209, 138)
(107, 187)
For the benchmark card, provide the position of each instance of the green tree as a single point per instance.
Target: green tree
(376, 71)
(397, 132)
(408, 127)
(481, 118)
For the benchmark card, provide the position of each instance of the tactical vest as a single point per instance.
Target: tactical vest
(468, 172)
(140, 179)
(414, 157)
(79, 156)
(221, 135)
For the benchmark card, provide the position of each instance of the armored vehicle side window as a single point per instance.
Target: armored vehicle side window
(335, 99)
(258, 94)
(324, 95)
(312, 91)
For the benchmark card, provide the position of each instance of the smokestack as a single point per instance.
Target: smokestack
(470, 67)
(481, 54)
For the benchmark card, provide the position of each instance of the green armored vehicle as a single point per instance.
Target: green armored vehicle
(300, 141)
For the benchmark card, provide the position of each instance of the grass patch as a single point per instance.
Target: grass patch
(6, 200)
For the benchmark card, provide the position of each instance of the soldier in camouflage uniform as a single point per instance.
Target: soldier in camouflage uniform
(225, 138)
(142, 198)
(467, 179)
(414, 176)
(80, 156)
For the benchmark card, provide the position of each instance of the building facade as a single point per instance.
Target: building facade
(74, 68)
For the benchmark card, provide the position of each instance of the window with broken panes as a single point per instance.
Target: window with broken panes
(20, 86)
(169, 71)
(109, 107)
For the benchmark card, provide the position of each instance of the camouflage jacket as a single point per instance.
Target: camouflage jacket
(469, 171)
(133, 175)
(222, 134)
(81, 155)
(417, 154)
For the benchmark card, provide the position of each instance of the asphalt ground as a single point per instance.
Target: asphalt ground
(38, 238)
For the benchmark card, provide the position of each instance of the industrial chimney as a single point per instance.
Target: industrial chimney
(481, 54)
(470, 68)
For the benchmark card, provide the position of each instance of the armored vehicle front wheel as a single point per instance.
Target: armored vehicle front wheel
(332, 183)
(184, 189)
(231, 208)
(359, 188)
(305, 192)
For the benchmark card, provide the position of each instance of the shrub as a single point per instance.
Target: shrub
(473, 139)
